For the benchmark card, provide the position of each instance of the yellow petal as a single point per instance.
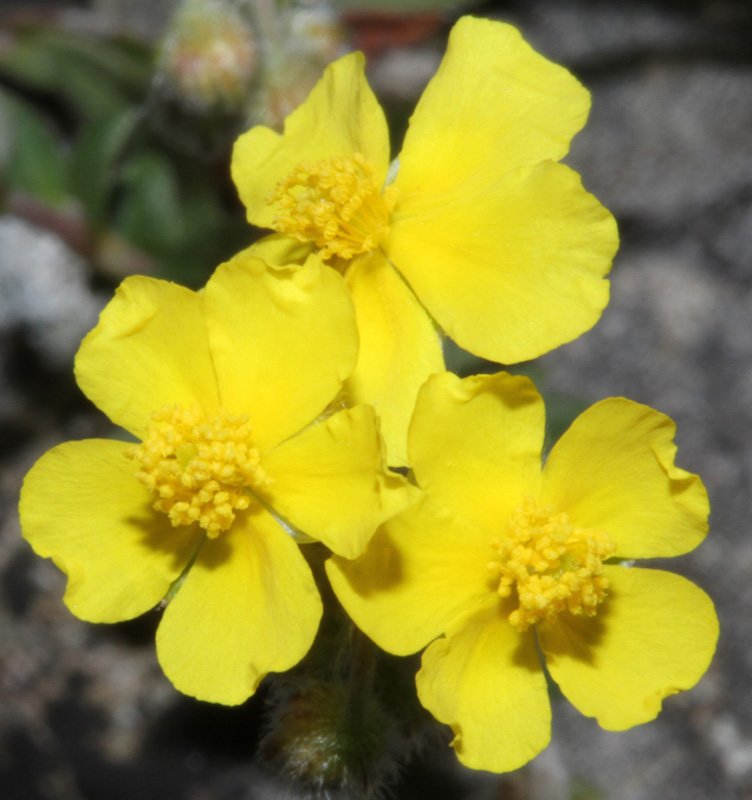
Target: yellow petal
(484, 680)
(614, 470)
(278, 250)
(494, 105)
(341, 116)
(654, 636)
(83, 507)
(149, 349)
(330, 481)
(475, 445)
(248, 606)
(513, 270)
(283, 341)
(399, 348)
(422, 570)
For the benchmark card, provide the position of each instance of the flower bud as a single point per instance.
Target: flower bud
(208, 58)
(306, 38)
(326, 744)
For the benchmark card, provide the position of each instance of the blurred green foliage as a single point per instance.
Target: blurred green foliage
(36, 159)
(97, 77)
(89, 147)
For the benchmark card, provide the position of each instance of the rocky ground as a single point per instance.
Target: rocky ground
(86, 714)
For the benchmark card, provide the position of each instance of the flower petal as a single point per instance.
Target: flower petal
(341, 116)
(513, 270)
(494, 105)
(282, 340)
(614, 470)
(485, 681)
(422, 569)
(149, 349)
(278, 250)
(475, 444)
(248, 606)
(330, 481)
(654, 636)
(399, 348)
(82, 506)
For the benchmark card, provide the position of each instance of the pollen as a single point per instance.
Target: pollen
(200, 469)
(549, 565)
(336, 204)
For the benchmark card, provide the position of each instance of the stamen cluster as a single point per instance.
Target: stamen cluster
(200, 468)
(335, 203)
(552, 565)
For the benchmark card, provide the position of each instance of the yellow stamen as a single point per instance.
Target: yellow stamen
(336, 204)
(200, 469)
(551, 565)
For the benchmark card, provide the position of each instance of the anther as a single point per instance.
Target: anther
(201, 469)
(554, 566)
(336, 204)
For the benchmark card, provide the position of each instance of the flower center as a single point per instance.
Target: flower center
(552, 565)
(336, 204)
(200, 468)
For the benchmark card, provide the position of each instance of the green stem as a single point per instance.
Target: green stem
(360, 681)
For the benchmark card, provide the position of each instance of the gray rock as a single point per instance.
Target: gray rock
(44, 290)
(581, 32)
(666, 140)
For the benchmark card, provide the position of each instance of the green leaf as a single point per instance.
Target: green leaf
(96, 77)
(94, 161)
(171, 209)
(149, 213)
(36, 160)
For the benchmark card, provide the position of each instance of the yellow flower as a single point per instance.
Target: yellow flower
(227, 400)
(475, 225)
(502, 558)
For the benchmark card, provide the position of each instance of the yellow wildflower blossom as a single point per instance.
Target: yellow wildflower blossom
(502, 559)
(235, 452)
(475, 225)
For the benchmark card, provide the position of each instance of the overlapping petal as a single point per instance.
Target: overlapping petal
(511, 271)
(82, 506)
(421, 570)
(613, 470)
(278, 250)
(149, 349)
(399, 348)
(655, 636)
(282, 341)
(494, 105)
(341, 116)
(475, 444)
(248, 606)
(485, 681)
(330, 481)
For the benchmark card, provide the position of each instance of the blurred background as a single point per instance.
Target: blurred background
(116, 123)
